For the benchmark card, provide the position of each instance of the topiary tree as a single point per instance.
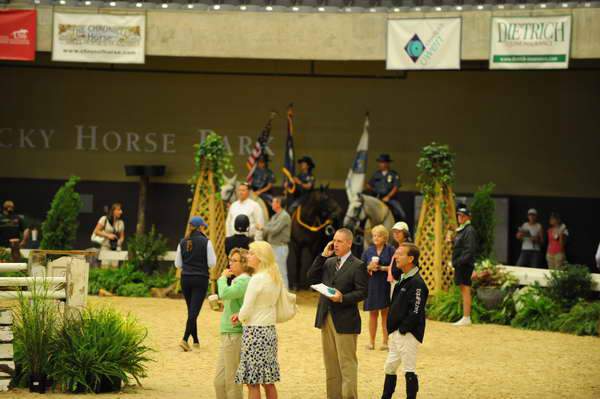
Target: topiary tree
(483, 211)
(59, 230)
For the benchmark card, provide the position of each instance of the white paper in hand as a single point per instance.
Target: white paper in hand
(323, 289)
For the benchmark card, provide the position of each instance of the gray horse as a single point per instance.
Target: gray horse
(370, 211)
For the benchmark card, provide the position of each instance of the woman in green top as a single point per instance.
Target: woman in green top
(231, 334)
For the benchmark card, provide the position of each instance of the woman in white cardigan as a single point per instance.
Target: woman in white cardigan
(258, 362)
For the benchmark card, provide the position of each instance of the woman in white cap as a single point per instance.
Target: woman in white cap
(195, 256)
(400, 234)
(531, 233)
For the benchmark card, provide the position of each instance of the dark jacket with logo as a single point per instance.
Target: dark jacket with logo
(195, 262)
(351, 280)
(465, 247)
(407, 311)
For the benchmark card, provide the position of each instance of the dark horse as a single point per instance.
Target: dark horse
(313, 224)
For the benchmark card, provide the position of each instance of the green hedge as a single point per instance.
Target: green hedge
(562, 306)
(127, 281)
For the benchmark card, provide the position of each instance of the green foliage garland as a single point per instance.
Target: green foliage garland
(213, 155)
(436, 166)
(59, 230)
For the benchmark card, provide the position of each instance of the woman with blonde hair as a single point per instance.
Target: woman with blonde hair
(258, 361)
(378, 257)
(231, 333)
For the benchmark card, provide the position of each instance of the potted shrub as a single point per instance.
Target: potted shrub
(491, 283)
(146, 249)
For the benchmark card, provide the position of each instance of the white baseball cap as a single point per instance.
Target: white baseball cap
(532, 211)
(401, 226)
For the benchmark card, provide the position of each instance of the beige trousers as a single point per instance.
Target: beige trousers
(227, 364)
(341, 363)
(403, 350)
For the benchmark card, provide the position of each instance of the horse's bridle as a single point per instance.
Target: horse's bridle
(228, 199)
(314, 229)
(355, 217)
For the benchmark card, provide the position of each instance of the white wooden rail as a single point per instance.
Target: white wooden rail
(530, 275)
(122, 256)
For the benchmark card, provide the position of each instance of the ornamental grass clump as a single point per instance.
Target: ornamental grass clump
(35, 328)
(99, 349)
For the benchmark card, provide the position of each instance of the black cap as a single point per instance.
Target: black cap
(384, 158)
(308, 160)
(241, 224)
(463, 209)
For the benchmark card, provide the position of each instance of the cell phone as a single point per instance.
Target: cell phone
(330, 246)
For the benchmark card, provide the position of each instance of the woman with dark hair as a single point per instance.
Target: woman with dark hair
(110, 229)
(195, 256)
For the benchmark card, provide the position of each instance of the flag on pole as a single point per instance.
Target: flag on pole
(259, 148)
(289, 166)
(355, 181)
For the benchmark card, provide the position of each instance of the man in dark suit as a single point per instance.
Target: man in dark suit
(405, 322)
(338, 316)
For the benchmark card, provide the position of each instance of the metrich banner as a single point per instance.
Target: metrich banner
(530, 43)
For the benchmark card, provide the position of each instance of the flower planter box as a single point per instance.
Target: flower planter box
(490, 297)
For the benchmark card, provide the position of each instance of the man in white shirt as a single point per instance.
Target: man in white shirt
(244, 206)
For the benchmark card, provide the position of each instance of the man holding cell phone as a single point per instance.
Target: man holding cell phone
(337, 315)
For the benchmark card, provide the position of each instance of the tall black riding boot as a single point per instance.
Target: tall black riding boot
(412, 385)
(389, 386)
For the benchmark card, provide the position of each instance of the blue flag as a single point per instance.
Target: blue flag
(289, 165)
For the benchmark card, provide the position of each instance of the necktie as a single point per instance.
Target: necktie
(338, 263)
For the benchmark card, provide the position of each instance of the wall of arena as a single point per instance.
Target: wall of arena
(314, 36)
(504, 126)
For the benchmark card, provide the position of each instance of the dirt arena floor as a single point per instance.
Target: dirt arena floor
(481, 361)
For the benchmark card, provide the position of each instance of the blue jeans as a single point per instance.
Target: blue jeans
(281, 255)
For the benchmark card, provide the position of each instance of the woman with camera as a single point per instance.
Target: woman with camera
(110, 229)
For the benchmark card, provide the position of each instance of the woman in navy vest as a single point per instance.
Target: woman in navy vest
(195, 256)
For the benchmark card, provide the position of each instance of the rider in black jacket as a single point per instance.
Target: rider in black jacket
(405, 322)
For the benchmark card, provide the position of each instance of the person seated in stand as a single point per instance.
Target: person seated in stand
(304, 182)
(384, 184)
(262, 180)
(12, 227)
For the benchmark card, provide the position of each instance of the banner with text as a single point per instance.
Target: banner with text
(432, 43)
(99, 38)
(530, 42)
(17, 35)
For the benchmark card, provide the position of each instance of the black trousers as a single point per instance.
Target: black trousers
(194, 291)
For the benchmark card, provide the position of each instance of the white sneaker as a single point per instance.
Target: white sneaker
(465, 321)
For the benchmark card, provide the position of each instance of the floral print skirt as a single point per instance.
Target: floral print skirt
(258, 362)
